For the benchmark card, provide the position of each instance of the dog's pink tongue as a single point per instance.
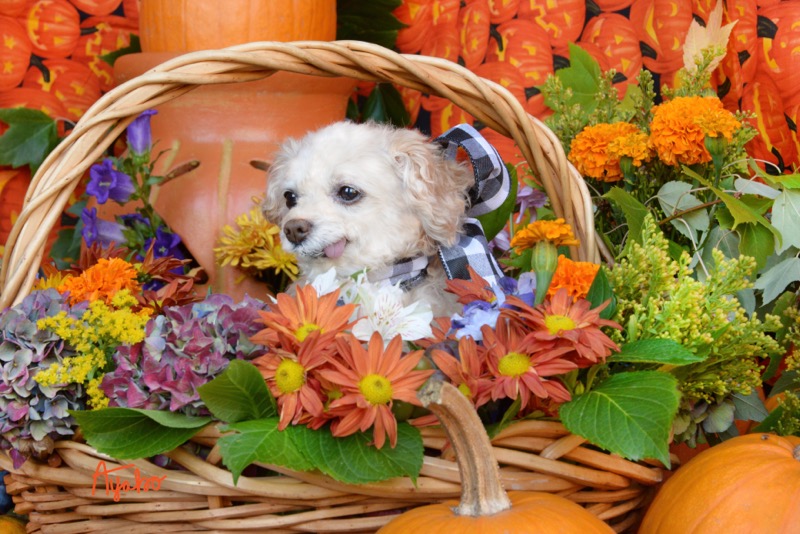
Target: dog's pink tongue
(336, 249)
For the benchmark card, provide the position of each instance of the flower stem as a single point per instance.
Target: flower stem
(481, 490)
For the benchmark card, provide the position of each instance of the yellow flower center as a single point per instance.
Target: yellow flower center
(302, 333)
(376, 389)
(557, 323)
(290, 376)
(464, 388)
(514, 364)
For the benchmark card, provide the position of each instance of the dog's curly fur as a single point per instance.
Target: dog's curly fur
(388, 193)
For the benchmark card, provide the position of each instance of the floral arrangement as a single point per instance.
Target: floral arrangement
(661, 345)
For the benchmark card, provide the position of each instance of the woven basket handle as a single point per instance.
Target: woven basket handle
(487, 101)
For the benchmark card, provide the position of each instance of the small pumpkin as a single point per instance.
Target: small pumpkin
(11, 525)
(15, 53)
(485, 507)
(747, 484)
(188, 25)
(53, 27)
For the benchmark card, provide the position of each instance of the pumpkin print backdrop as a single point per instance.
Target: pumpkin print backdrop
(51, 55)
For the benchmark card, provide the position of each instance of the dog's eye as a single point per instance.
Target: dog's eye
(291, 198)
(348, 194)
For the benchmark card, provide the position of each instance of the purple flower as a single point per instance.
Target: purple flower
(100, 231)
(139, 136)
(167, 244)
(529, 197)
(107, 182)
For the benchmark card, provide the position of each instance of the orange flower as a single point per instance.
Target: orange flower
(557, 232)
(680, 126)
(519, 364)
(574, 276)
(298, 393)
(467, 372)
(476, 288)
(296, 317)
(591, 152)
(101, 281)
(370, 379)
(561, 323)
(635, 145)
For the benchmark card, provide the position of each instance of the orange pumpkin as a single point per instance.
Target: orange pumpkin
(97, 7)
(53, 27)
(746, 484)
(106, 34)
(661, 26)
(616, 38)
(501, 11)
(562, 21)
(485, 507)
(443, 40)
(15, 53)
(14, 8)
(11, 525)
(417, 16)
(774, 141)
(71, 82)
(779, 36)
(473, 22)
(188, 25)
(526, 46)
(34, 98)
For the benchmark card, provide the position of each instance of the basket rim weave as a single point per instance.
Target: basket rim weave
(107, 118)
(530, 452)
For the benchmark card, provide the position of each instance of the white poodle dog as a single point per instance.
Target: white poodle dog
(354, 196)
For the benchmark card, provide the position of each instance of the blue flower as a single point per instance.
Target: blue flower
(166, 244)
(100, 231)
(107, 182)
(139, 135)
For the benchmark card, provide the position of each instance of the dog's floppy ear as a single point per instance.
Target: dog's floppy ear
(273, 203)
(436, 188)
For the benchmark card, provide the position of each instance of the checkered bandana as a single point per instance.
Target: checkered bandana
(492, 184)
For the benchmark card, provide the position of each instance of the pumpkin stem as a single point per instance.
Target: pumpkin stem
(482, 493)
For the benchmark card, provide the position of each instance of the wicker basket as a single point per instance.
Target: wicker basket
(534, 455)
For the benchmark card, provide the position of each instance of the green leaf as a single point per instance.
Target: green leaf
(261, 441)
(30, 137)
(676, 197)
(786, 218)
(385, 105)
(719, 418)
(756, 241)
(128, 433)
(775, 279)
(788, 381)
(788, 181)
(238, 394)
(663, 351)
(133, 48)
(633, 210)
(629, 414)
(583, 77)
(371, 21)
(601, 291)
(749, 407)
(494, 221)
(352, 460)
(770, 422)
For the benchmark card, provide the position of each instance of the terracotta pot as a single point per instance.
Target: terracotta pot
(225, 127)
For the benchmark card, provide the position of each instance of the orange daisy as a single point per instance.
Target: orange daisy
(574, 276)
(557, 232)
(519, 365)
(296, 317)
(288, 376)
(101, 281)
(572, 325)
(476, 288)
(468, 371)
(370, 380)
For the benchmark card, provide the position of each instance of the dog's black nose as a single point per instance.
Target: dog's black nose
(297, 230)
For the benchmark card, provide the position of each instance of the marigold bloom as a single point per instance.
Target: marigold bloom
(556, 232)
(635, 145)
(563, 323)
(680, 126)
(370, 380)
(101, 281)
(574, 276)
(296, 317)
(591, 152)
(520, 363)
(468, 371)
(288, 376)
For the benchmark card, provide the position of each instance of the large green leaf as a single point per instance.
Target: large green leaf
(629, 414)
(30, 137)
(385, 105)
(582, 77)
(128, 433)
(601, 291)
(675, 197)
(261, 441)
(786, 218)
(353, 460)
(663, 351)
(775, 279)
(372, 21)
(755, 240)
(238, 394)
(634, 212)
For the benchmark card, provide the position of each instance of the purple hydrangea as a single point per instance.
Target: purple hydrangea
(183, 349)
(32, 415)
(139, 134)
(106, 182)
(99, 230)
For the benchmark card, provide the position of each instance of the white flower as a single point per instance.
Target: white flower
(326, 282)
(381, 310)
(714, 38)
